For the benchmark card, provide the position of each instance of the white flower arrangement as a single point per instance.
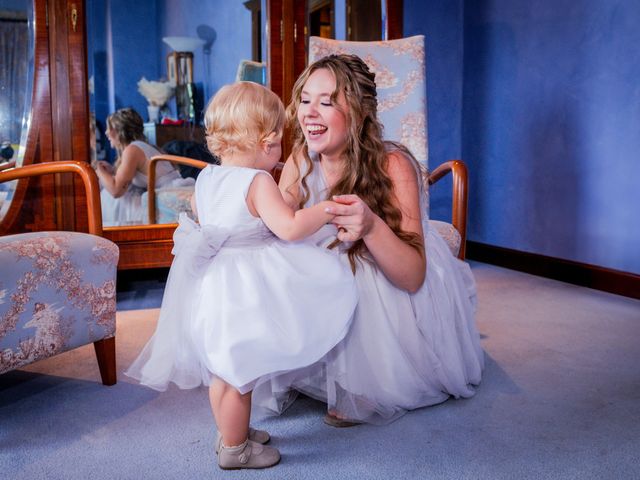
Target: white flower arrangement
(156, 93)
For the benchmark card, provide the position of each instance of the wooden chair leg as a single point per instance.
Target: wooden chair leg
(106, 355)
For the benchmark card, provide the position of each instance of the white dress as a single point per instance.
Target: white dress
(403, 351)
(239, 303)
(129, 209)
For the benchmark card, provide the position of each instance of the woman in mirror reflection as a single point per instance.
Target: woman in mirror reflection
(123, 187)
(413, 341)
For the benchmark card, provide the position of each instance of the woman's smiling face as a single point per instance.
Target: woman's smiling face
(323, 122)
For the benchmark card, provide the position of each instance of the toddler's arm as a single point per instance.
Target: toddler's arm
(266, 200)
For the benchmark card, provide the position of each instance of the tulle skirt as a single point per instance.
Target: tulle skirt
(403, 351)
(244, 314)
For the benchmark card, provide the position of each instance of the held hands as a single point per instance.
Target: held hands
(353, 217)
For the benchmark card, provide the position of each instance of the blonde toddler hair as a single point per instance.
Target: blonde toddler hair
(240, 116)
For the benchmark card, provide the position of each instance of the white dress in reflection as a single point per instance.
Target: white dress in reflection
(403, 351)
(239, 303)
(129, 209)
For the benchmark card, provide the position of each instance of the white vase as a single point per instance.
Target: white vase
(154, 113)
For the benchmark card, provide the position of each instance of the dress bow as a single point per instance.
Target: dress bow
(199, 243)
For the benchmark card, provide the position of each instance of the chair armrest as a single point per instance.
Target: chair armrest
(151, 185)
(459, 196)
(87, 174)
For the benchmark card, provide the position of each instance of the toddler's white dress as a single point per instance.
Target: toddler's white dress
(403, 351)
(239, 303)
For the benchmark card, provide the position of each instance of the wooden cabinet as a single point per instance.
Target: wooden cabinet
(160, 135)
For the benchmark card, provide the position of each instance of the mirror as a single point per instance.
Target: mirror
(16, 80)
(125, 43)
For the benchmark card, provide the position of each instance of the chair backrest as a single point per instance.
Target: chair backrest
(399, 66)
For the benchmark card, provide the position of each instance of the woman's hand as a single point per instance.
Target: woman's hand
(353, 217)
(104, 167)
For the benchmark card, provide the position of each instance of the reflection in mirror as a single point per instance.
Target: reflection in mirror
(124, 46)
(364, 20)
(321, 18)
(356, 20)
(16, 83)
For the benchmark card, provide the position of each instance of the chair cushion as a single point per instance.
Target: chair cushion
(57, 292)
(450, 235)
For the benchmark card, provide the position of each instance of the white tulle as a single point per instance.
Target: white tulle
(239, 304)
(403, 351)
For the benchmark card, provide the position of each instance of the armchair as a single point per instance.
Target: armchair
(399, 66)
(58, 289)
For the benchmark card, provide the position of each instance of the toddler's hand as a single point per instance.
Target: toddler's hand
(331, 207)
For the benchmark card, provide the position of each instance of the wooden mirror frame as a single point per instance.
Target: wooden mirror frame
(59, 122)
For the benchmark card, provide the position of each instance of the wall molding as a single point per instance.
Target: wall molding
(583, 274)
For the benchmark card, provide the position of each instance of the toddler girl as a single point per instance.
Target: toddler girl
(241, 305)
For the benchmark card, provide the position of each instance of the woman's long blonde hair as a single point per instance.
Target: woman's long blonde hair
(128, 126)
(366, 154)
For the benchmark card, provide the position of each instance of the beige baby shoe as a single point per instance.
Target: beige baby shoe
(249, 454)
(259, 436)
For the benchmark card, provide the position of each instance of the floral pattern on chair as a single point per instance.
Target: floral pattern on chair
(57, 292)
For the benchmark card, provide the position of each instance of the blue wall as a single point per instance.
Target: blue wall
(134, 39)
(550, 121)
(125, 44)
(231, 23)
(441, 22)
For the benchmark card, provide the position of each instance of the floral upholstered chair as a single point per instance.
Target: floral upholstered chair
(58, 289)
(399, 66)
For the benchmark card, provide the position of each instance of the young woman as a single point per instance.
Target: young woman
(413, 341)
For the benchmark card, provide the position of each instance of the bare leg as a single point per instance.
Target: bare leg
(231, 411)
